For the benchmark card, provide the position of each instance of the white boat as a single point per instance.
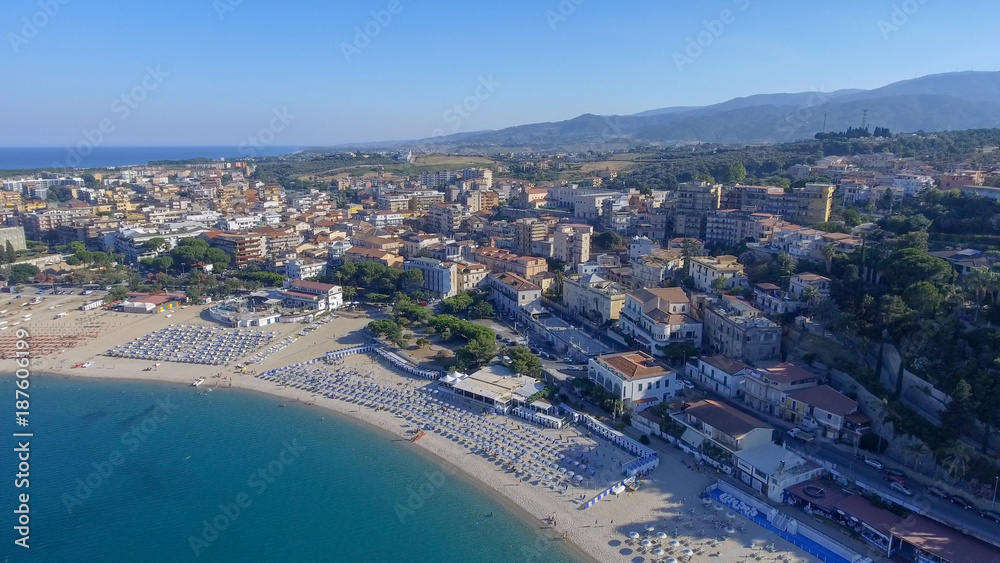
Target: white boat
(199, 382)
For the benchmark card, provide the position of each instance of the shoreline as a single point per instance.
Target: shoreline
(595, 534)
(438, 459)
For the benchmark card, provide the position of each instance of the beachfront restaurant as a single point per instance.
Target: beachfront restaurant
(494, 386)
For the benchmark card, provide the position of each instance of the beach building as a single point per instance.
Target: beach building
(770, 469)
(635, 377)
(314, 296)
(147, 303)
(723, 428)
(495, 386)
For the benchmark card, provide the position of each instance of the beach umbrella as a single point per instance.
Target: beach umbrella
(730, 530)
(633, 535)
(657, 552)
(650, 528)
(688, 552)
(661, 535)
(674, 543)
(646, 543)
(730, 515)
(671, 560)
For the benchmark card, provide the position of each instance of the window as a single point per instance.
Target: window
(640, 387)
(657, 384)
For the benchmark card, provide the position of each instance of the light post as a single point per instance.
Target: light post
(995, 483)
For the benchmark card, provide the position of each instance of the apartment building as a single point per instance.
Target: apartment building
(499, 261)
(594, 297)
(729, 227)
(705, 270)
(825, 405)
(658, 317)
(13, 235)
(765, 389)
(808, 205)
(695, 200)
(470, 276)
(634, 377)
(571, 244)
(445, 218)
(242, 248)
(362, 254)
(300, 269)
(312, 295)
(513, 295)
(439, 277)
(528, 231)
(420, 202)
(718, 374)
(736, 329)
(655, 267)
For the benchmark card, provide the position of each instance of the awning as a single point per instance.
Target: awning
(691, 437)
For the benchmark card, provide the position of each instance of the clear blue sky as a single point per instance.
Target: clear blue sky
(226, 76)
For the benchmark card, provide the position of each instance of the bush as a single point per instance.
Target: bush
(872, 443)
(644, 440)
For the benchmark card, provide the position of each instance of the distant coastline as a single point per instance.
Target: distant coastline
(33, 158)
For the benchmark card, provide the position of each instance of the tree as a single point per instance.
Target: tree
(910, 265)
(955, 458)
(982, 281)
(457, 304)
(155, 244)
(117, 293)
(423, 342)
(482, 310)
(522, 361)
(923, 297)
(960, 412)
(217, 258)
(829, 251)
(810, 295)
(736, 172)
(23, 273)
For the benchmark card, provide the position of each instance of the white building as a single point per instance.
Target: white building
(657, 317)
(635, 377)
(912, 184)
(302, 269)
(718, 374)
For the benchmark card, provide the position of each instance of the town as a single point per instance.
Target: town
(793, 328)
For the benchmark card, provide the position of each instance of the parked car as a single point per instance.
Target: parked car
(895, 476)
(961, 501)
(873, 462)
(938, 492)
(990, 514)
(801, 434)
(897, 486)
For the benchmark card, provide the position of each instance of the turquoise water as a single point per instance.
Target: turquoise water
(169, 459)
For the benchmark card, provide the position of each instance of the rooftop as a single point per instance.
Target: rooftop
(826, 398)
(634, 365)
(724, 363)
(725, 418)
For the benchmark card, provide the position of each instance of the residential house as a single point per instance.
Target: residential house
(722, 426)
(658, 317)
(765, 388)
(737, 329)
(718, 374)
(822, 403)
(705, 270)
(634, 377)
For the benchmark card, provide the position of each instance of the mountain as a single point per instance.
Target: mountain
(951, 101)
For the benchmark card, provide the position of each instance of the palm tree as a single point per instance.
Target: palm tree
(955, 458)
(981, 281)
(829, 251)
(810, 295)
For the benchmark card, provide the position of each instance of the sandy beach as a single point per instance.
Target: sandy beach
(667, 500)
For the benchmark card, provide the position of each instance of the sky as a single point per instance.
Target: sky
(307, 73)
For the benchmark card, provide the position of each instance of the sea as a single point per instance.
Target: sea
(142, 471)
(25, 158)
